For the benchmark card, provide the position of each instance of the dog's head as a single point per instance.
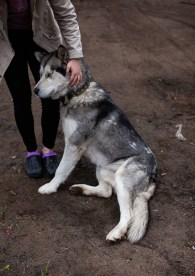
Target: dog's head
(53, 80)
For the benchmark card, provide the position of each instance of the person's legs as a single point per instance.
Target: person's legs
(49, 119)
(17, 80)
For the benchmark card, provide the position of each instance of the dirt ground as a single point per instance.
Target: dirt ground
(143, 53)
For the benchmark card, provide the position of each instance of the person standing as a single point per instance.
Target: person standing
(27, 26)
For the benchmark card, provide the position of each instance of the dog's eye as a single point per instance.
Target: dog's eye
(49, 75)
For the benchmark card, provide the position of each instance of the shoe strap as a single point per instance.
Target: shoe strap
(52, 153)
(33, 153)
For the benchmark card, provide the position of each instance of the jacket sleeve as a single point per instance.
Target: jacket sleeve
(66, 18)
(6, 52)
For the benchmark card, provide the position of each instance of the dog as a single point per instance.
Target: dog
(96, 128)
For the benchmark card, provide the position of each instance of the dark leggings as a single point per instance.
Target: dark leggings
(17, 80)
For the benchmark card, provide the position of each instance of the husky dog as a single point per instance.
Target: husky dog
(96, 128)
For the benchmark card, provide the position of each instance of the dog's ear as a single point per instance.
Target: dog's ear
(62, 53)
(39, 55)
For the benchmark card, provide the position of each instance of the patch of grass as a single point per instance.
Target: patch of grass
(45, 270)
(7, 267)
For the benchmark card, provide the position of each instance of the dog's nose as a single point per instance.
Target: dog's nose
(36, 90)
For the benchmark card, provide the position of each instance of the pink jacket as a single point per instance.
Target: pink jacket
(54, 22)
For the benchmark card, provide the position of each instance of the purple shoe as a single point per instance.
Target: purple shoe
(33, 165)
(50, 163)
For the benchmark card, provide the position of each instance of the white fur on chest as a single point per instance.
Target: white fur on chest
(69, 126)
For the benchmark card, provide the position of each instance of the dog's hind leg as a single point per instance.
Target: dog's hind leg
(127, 178)
(104, 189)
(125, 203)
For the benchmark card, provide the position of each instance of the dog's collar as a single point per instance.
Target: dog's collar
(71, 93)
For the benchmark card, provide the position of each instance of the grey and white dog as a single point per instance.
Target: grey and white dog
(96, 128)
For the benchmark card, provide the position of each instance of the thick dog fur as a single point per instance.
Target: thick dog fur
(96, 128)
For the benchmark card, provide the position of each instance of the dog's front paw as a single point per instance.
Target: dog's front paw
(116, 235)
(76, 189)
(47, 189)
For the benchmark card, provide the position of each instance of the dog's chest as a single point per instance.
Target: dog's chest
(69, 126)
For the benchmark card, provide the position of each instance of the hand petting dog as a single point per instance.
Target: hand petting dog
(73, 67)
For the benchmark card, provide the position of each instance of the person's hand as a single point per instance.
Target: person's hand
(74, 68)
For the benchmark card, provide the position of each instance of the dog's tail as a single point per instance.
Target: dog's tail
(140, 215)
